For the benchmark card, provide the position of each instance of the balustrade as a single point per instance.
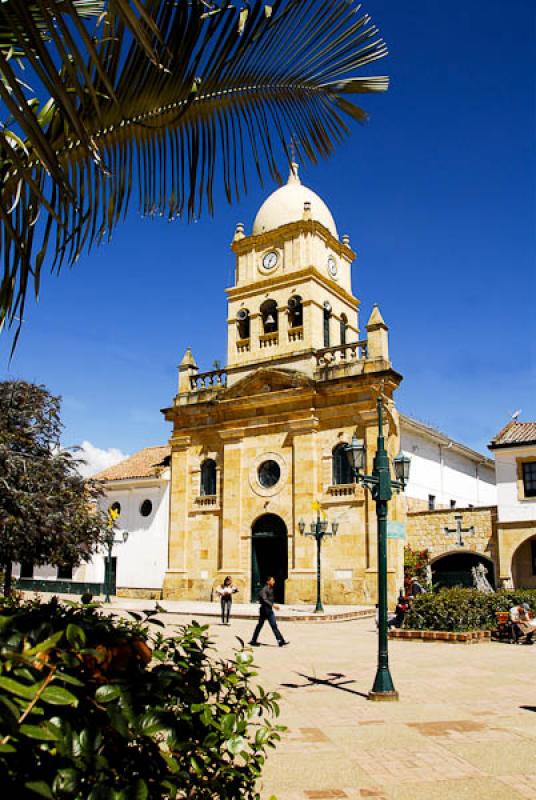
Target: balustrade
(341, 353)
(215, 379)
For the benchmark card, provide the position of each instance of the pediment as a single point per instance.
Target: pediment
(266, 379)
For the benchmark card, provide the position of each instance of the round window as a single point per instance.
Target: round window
(146, 508)
(116, 507)
(269, 473)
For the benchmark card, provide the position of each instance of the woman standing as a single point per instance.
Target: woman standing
(226, 591)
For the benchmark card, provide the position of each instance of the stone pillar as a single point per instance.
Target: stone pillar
(187, 369)
(178, 537)
(231, 498)
(378, 342)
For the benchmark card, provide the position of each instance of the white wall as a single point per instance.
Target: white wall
(142, 560)
(446, 473)
(511, 508)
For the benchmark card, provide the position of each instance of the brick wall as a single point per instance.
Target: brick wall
(426, 529)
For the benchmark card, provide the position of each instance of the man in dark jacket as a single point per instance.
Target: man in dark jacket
(266, 612)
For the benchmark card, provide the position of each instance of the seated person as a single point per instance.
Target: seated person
(402, 608)
(521, 616)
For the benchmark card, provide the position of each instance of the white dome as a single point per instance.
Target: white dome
(286, 205)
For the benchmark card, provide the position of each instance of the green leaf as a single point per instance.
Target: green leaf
(141, 790)
(106, 693)
(58, 696)
(19, 689)
(236, 745)
(76, 636)
(46, 644)
(41, 788)
(151, 723)
(66, 781)
(7, 748)
(40, 732)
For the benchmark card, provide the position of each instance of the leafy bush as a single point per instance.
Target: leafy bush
(463, 609)
(94, 707)
(415, 565)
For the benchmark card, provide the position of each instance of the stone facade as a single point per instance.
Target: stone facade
(426, 530)
(298, 384)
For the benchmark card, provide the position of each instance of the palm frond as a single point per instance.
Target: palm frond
(162, 97)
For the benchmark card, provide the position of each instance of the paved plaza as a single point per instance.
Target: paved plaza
(465, 726)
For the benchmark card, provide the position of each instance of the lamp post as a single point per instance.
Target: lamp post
(381, 486)
(319, 529)
(109, 541)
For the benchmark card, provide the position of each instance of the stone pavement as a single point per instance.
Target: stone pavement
(465, 726)
(191, 608)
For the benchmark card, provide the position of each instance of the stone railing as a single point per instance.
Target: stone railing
(206, 500)
(208, 380)
(295, 334)
(342, 490)
(341, 353)
(268, 339)
(242, 345)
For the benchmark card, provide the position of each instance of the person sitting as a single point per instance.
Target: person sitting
(402, 608)
(416, 587)
(522, 618)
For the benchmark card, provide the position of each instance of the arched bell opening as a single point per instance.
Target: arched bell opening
(269, 555)
(343, 326)
(454, 569)
(295, 312)
(269, 316)
(243, 323)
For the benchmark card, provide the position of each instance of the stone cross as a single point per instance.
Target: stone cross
(458, 530)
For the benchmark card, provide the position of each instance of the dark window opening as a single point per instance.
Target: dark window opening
(208, 477)
(295, 312)
(453, 503)
(431, 502)
(65, 572)
(327, 318)
(533, 555)
(269, 473)
(269, 316)
(529, 478)
(243, 323)
(342, 472)
(146, 508)
(26, 569)
(343, 323)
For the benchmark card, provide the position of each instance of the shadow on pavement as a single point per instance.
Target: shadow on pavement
(329, 681)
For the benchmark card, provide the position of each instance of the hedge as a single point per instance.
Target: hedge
(94, 707)
(463, 609)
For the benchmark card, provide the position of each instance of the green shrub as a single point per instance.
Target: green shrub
(94, 707)
(463, 609)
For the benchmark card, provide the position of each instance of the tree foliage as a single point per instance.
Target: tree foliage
(47, 511)
(160, 99)
(85, 715)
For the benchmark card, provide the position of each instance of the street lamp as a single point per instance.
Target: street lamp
(319, 529)
(381, 486)
(109, 541)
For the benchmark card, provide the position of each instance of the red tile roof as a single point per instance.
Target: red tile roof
(146, 463)
(515, 433)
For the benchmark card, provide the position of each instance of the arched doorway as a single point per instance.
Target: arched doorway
(269, 555)
(454, 569)
(524, 565)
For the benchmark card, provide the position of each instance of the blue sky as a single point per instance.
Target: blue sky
(437, 193)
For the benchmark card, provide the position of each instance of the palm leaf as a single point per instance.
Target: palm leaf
(163, 97)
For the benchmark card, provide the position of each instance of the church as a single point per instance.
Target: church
(260, 445)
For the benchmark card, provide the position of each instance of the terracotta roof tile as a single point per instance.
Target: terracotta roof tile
(515, 433)
(146, 463)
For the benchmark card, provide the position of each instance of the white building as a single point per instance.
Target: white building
(514, 448)
(444, 473)
(139, 489)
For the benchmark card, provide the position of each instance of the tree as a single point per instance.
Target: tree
(163, 98)
(48, 513)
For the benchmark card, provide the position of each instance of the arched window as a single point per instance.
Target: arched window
(269, 316)
(342, 472)
(208, 477)
(327, 317)
(242, 323)
(295, 312)
(343, 325)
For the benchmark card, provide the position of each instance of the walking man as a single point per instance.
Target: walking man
(266, 612)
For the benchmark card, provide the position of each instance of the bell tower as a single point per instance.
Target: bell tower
(292, 295)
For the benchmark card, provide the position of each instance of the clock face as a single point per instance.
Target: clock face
(269, 260)
(332, 266)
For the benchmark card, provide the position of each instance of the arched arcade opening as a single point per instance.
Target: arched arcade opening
(524, 565)
(454, 569)
(269, 555)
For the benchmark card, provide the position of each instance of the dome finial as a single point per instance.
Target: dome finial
(293, 176)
